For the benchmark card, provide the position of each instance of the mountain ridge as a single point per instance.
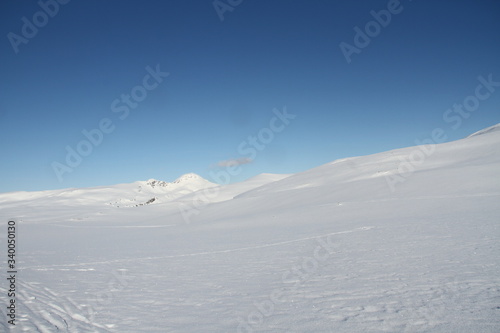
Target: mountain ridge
(187, 185)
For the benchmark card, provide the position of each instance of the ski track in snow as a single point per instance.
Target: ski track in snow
(114, 226)
(51, 267)
(429, 265)
(40, 309)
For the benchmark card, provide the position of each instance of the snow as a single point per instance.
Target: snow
(331, 249)
(493, 128)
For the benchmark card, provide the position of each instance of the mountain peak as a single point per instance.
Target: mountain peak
(187, 177)
(153, 182)
(191, 180)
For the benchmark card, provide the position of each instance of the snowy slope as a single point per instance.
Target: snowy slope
(493, 128)
(331, 249)
(230, 191)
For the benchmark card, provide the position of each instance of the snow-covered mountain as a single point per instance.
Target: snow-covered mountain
(401, 241)
(125, 195)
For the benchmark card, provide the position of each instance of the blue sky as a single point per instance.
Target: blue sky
(225, 79)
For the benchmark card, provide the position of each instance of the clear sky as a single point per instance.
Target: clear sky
(86, 66)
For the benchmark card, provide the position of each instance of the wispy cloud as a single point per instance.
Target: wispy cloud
(234, 162)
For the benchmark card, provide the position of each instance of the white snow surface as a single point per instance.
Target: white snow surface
(493, 128)
(331, 249)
